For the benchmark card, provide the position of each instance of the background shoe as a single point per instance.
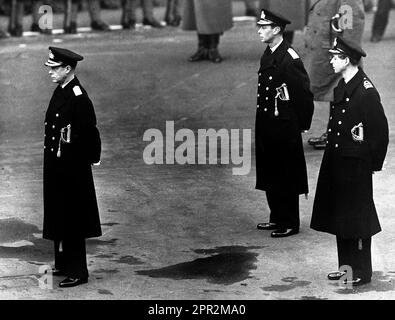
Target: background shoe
(72, 282)
(152, 22)
(72, 29)
(129, 24)
(214, 56)
(99, 26)
(17, 31)
(336, 275)
(267, 226)
(199, 55)
(284, 232)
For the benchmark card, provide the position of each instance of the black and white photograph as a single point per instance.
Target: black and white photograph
(198, 156)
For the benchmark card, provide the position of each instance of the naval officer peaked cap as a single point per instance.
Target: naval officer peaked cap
(268, 18)
(347, 48)
(61, 56)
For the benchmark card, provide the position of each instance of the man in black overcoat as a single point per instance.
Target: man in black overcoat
(356, 148)
(284, 109)
(71, 146)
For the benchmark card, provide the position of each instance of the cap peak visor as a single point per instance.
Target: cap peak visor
(264, 23)
(51, 63)
(336, 51)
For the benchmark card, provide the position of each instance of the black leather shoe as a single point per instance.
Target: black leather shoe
(152, 22)
(214, 56)
(17, 31)
(99, 26)
(199, 55)
(72, 282)
(56, 272)
(131, 24)
(284, 232)
(356, 282)
(267, 226)
(336, 275)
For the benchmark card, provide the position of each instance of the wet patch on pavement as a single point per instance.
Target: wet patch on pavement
(13, 229)
(225, 265)
(129, 260)
(104, 256)
(312, 298)
(109, 224)
(93, 244)
(381, 282)
(292, 283)
(108, 271)
(104, 291)
(18, 241)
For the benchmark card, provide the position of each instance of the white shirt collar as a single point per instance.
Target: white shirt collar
(276, 46)
(66, 83)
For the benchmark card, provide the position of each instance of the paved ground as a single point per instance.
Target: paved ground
(171, 231)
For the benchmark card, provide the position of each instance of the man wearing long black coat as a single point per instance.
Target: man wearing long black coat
(356, 148)
(284, 109)
(70, 208)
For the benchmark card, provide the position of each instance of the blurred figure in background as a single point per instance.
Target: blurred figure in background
(172, 14)
(251, 9)
(319, 36)
(71, 13)
(15, 26)
(210, 19)
(295, 10)
(380, 19)
(129, 7)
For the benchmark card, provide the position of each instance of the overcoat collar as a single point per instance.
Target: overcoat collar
(348, 89)
(62, 95)
(275, 58)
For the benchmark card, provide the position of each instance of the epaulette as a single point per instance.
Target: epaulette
(77, 91)
(293, 53)
(367, 84)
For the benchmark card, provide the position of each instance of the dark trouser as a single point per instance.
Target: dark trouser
(381, 17)
(284, 208)
(72, 259)
(356, 255)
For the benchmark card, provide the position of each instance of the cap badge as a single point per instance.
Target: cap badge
(335, 42)
(263, 16)
(51, 55)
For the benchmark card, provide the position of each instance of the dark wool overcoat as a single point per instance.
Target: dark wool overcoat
(280, 161)
(207, 16)
(343, 203)
(70, 206)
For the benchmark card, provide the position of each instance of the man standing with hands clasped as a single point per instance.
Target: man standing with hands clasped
(72, 144)
(356, 148)
(284, 109)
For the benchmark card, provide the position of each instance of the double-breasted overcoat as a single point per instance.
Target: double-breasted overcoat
(70, 205)
(343, 203)
(207, 16)
(318, 37)
(280, 161)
